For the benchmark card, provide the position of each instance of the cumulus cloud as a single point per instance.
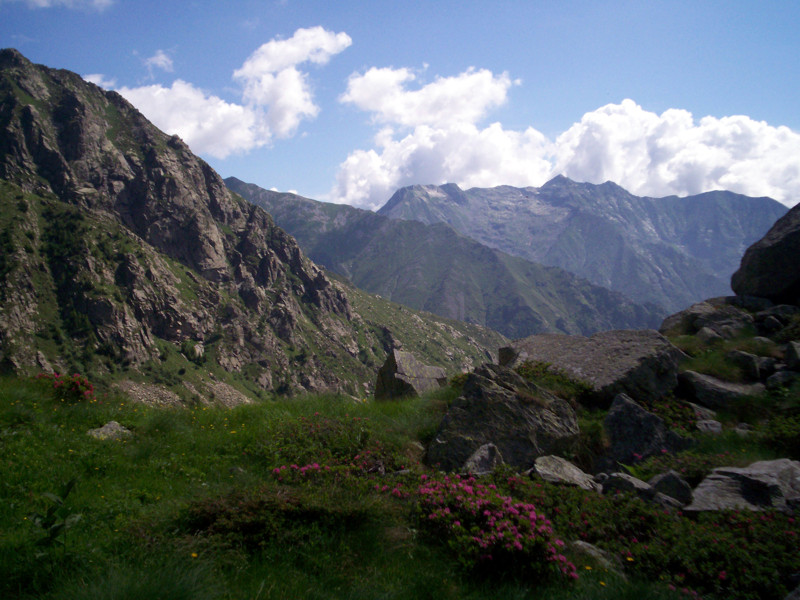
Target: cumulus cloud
(159, 60)
(276, 96)
(207, 123)
(270, 76)
(433, 135)
(672, 153)
(465, 98)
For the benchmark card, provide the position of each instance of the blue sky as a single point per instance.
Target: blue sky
(348, 100)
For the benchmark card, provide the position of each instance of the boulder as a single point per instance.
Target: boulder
(499, 407)
(640, 363)
(110, 431)
(483, 461)
(781, 379)
(748, 363)
(635, 433)
(673, 485)
(558, 470)
(762, 485)
(791, 356)
(709, 426)
(712, 392)
(403, 375)
(711, 320)
(769, 267)
(622, 482)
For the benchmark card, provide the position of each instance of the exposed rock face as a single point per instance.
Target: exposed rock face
(500, 407)
(642, 364)
(762, 485)
(714, 393)
(769, 267)
(636, 434)
(403, 375)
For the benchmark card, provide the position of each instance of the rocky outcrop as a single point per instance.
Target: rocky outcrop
(714, 393)
(403, 375)
(769, 267)
(642, 364)
(499, 407)
(636, 434)
(772, 484)
(719, 318)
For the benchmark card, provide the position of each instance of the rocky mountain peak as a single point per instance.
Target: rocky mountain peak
(186, 256)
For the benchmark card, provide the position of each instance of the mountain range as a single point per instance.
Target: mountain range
(667, 251)
(434, 268)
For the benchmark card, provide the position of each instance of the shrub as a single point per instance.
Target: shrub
(70, 388)
(490, 532)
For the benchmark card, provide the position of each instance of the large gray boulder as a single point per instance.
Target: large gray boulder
(635, 433)
(761, 485)
(769, 267)
(403, 375)
(499, 407)
(715, 393)
(640, 363)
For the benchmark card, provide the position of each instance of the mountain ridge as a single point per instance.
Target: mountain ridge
(433, 268)
(670, 251)
(124, 253)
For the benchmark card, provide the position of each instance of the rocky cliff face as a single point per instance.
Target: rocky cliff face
(121, 249)
(668, 251)
(769, 268)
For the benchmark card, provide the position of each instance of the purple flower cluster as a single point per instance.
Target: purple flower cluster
(487, 529)
(72, 388)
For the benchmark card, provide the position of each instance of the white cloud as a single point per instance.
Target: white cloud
(433, 136)
(208, 124)
(276, 96)
(79, 4)
(465, 98)
(671, 153)
(100, 79)
(160, 60)
(270, 76)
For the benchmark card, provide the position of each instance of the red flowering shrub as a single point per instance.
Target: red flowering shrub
(491, 532)
(70, 388)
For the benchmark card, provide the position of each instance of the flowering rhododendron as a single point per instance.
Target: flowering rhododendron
(71, 388)
(489, 530)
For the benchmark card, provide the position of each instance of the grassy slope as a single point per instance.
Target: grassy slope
(190, 507)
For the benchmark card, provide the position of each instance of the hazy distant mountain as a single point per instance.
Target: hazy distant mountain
(669, 251)
(432, 267)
